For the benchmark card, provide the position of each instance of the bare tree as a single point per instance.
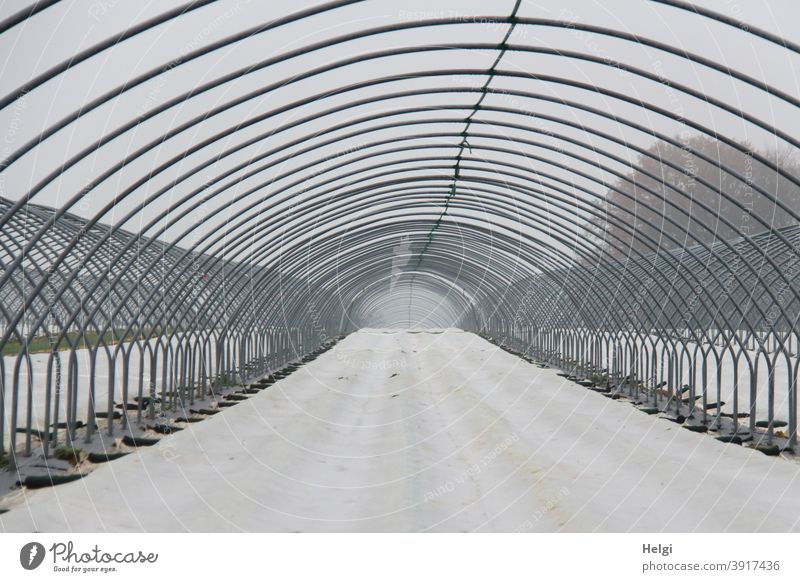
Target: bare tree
(673, 197)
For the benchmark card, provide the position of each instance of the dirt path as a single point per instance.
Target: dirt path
(405, 431)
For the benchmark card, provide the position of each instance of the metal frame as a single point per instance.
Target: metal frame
(270, 286)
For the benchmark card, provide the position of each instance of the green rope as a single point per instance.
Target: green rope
(464, 144)
(464, 134)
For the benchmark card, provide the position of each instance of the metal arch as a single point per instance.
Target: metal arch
(571, 331)
(27, 12)
(714, 134)
(538, 22)
(96, 49)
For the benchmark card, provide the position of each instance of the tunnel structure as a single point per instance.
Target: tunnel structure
(190, 201)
